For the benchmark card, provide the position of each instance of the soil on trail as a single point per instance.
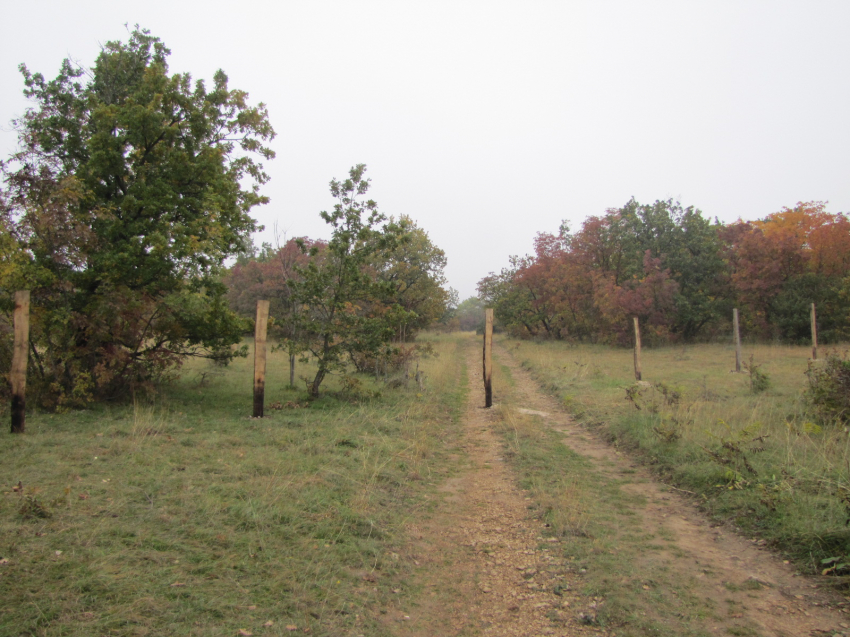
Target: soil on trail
(489, 568)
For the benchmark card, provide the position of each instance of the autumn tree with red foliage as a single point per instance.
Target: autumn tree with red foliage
(659, 262)
(781, 264)
(681, 274)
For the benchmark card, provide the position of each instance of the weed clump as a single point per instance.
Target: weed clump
(829, 388)
(354, 390)
(733, 453)
(759, 380)
(652, 397)
(33, 508)
(835, 565)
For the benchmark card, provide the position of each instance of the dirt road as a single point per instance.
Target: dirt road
(490, 567)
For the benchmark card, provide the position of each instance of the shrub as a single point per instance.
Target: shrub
(829, 387)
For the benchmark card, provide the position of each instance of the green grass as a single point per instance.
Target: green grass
(761, 461)
(184, 516)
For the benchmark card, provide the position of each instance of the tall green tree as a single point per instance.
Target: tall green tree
(415, 271)
(130, 189)
(689, 246)
(512, 303)
(345, 307)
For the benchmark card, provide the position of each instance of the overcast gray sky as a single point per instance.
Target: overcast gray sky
(489, 121)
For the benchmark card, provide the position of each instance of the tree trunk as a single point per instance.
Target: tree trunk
(313, 389)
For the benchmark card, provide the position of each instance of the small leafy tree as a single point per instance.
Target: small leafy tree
(345, 308)
(267, 274)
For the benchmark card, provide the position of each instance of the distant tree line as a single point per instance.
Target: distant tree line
(681, 274)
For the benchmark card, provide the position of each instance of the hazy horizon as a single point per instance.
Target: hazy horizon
(487, 122)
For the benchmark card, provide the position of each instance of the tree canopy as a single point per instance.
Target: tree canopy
(130, 189)
(414, 271)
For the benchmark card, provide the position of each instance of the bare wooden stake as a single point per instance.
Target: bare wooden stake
(420, 377)
(814, 334)
(18, 373)
(637, 350)
(260, 357)
(488, 357)
(736, 335)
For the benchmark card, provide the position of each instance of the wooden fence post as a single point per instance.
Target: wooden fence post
(736, 335)
(488, 357)
(814, 334)
(260, 357)
(637, 350)
(18, 373)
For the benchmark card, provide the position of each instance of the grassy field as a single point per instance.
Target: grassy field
(184, 516)
(758, 459)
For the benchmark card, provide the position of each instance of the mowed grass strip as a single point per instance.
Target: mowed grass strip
(183, 516)
(623, 574)
(761, 461)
